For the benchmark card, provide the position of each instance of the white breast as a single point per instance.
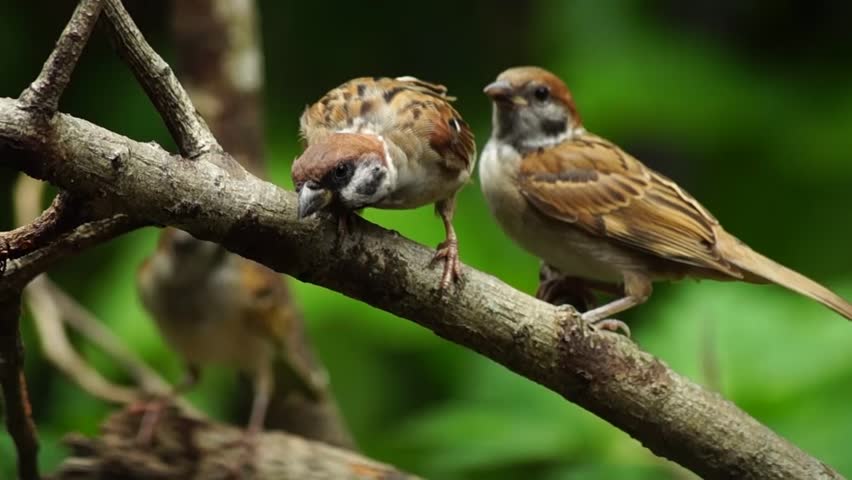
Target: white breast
(565, 247)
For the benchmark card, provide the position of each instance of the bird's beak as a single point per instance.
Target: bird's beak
(312, 200)
(501, 91)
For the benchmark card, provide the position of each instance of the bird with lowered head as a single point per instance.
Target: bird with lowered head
(393, 143)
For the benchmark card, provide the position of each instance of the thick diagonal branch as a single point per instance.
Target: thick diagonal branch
(604, 373)
(186, 125)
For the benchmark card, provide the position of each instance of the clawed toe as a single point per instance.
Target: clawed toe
(448, 252)
(613, 325)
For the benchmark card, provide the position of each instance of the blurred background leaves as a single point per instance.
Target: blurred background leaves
(746, 104)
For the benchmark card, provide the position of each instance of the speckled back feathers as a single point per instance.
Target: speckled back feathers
(405, 110)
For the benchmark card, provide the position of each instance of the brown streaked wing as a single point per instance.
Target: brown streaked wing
(412, 99)
(593, 184)
(452, 139)
(449, 135)
(269, 310)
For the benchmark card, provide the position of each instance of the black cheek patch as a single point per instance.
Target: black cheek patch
(554, 128)
(369, 188)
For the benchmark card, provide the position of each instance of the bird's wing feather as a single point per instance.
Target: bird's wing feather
(591, 183)
(404, 109)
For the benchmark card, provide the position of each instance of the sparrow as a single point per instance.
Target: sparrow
(593, 212)
(215, 307)
(393, 143)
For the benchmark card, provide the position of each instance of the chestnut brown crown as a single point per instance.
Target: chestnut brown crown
(348, 169)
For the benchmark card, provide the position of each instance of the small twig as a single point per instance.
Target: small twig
(84, 322)
(18, 411)
(62, 215)
(44, 93)
(47, 315)
(20, 271)
(50, 306)
(186, 125)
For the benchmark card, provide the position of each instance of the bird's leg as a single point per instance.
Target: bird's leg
(345, 222)
(637, 289)
(154, 408)
(448, 250)
(263, 386)
(558, 289)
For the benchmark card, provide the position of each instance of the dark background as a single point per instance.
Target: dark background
(748, 105)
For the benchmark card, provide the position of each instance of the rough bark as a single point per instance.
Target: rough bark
(602, 372)
(187, 448)
(186, 125)
(43, 94)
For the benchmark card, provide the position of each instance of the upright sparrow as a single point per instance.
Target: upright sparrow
(386, 143)
(214, 307)
(591, 210)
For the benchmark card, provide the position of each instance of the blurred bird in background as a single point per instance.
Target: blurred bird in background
(214, 307)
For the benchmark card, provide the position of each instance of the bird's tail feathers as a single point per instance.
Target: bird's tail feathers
(739, 254)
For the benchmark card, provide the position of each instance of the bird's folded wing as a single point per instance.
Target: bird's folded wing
(405, 110)
(594, 185)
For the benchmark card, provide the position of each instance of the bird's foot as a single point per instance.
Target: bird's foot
(344, 225)
(611, 325)
(448, 251)
(566, 290)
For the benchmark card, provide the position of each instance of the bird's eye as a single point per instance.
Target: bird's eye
(341, 170)
(541, 93)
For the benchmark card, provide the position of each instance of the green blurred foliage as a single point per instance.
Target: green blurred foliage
(748, 105)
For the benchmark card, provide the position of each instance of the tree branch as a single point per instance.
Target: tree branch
(187, 448)
(604, 373)
(18, 411)
(43, 94)
(186, 125)
(221, 63)
(52, 308)
(20, 271)
(47, 317)
(62, 215)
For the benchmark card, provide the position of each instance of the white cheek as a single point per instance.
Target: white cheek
(360, 191)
